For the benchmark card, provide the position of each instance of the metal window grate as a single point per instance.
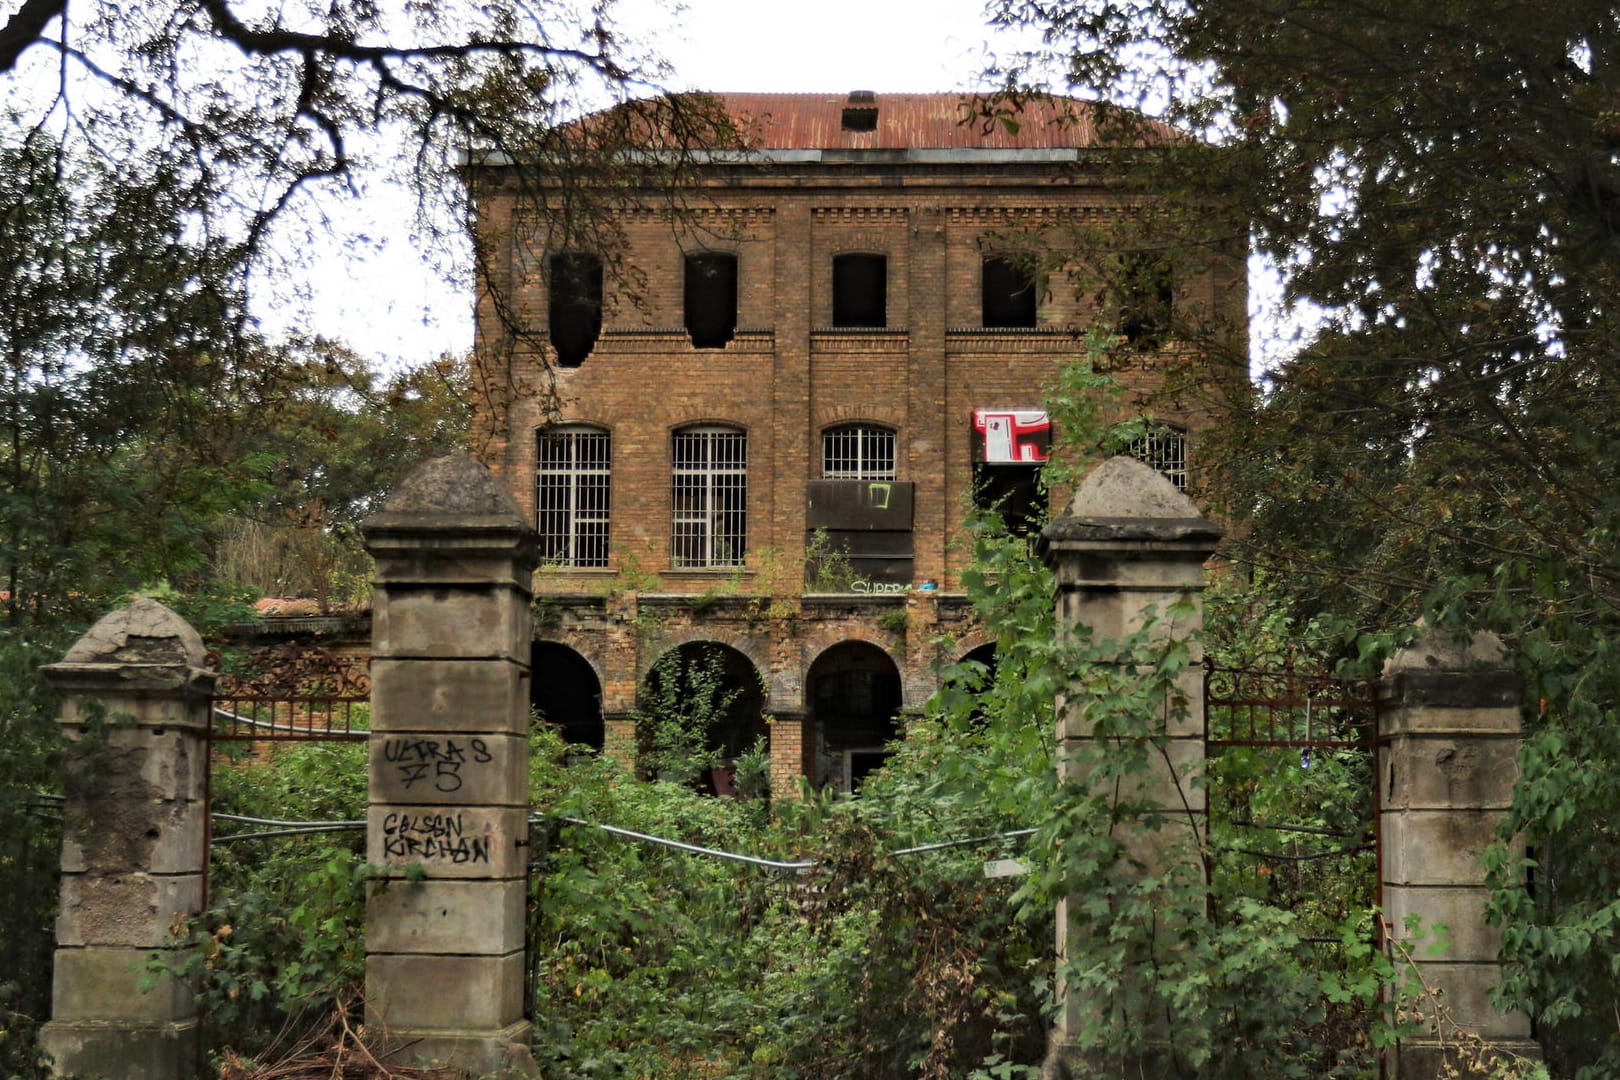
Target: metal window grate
(709, 521)
(1164, 448)
(572, 487)
(857, 452)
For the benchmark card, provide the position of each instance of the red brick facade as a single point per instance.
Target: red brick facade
(935, 208)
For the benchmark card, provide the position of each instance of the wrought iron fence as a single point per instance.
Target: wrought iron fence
(1292, 759)
(287, 693)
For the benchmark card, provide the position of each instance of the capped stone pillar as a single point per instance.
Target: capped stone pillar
(1129, 548)
(449, 794)
(135, 717)
(1449, 717)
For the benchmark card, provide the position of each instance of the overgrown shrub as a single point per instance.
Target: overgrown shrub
(283, 937)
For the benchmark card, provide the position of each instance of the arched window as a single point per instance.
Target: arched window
(857, 452)
(573, 469)
(709, 520)
(1145, 299)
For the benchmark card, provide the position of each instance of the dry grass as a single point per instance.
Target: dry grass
(334, 1050)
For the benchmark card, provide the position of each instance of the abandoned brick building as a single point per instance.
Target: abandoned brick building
(840, 344)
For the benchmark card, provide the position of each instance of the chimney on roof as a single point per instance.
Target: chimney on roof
(860, 111)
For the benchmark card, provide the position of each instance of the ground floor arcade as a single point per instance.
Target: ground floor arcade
(822, 682)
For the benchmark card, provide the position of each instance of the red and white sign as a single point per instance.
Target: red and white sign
(1012, 436)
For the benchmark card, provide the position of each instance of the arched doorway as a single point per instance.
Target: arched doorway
(984, 655)
(566, 693)
(854, 697)
(699, 708)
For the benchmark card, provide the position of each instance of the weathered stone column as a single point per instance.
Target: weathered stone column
(449, 791)
(1129, 548)
(1449, 714)
(133, 844)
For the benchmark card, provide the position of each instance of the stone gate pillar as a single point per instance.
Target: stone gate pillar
(1130, 545)
(133, 846)
(449, 796)
(1449, 715)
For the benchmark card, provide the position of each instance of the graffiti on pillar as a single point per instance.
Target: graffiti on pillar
(436, 764)
(432, 837)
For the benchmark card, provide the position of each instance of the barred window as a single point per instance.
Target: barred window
(857, 452)
(1164, 448)
(571, 489)
(709, 523)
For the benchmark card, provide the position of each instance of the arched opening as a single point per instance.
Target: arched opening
(984, 655)
(854, 696)
(1008, 293)
(700, 708)
(566, 693)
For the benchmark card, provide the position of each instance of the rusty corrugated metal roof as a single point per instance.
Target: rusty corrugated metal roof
(913, 121)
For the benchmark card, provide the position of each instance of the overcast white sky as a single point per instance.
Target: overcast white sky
(883, 45)
(366, 286)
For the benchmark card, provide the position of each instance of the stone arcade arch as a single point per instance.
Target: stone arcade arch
(853, 698)
(566, 692)
(984, 654)
(736, 700)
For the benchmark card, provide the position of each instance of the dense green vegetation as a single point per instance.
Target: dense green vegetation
(878, 960)
(651, 962)
(1440, 182)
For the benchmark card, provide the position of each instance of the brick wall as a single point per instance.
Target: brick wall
(787, 376)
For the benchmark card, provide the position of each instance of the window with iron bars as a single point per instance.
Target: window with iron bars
(709, 522)
(571, 495)
(857, 452)
(1164, 448)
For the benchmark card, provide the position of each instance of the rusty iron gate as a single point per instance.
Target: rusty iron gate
(1313, 736)
(284, 694)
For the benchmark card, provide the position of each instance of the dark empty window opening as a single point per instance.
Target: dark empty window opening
(860, 290)
(1009, 294)
(576, 306)
(1012, 491)
(860, 111)
(711, 299)
(1146, 299)
(860, 118)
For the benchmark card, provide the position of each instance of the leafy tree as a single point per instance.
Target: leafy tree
(1442, 182)
(268, 119)
(334, 436)
(311, 85)
(118, 336)
(116, 329)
